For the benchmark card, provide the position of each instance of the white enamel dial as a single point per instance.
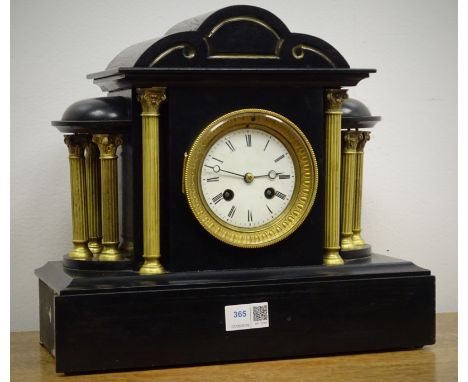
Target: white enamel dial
(247, 177)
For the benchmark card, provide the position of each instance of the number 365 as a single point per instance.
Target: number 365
(240, 313)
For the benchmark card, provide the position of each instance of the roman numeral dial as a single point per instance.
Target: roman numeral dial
(248, 177)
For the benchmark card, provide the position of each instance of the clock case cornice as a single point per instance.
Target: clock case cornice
(235, 46)
(126, 78)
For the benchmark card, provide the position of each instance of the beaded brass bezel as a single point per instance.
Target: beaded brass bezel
(305, 188)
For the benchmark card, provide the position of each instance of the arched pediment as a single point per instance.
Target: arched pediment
(232, 37)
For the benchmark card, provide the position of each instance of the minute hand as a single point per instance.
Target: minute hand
(218, 169)
(233, 173)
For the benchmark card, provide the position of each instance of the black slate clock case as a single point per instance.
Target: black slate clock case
(96, 320)
(198, 97)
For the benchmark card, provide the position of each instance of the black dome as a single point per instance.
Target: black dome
(356, 115)
(110, 114)
(98, 109)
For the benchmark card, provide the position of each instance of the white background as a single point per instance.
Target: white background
(410, 190)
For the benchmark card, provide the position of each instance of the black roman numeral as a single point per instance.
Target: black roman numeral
(214, 179)
(279, 158)
(219, 160)
(217, 198)
(248, 140)
(266, 145)
(249, 216)
(281, 176)
(269, 209)
(232, 211)
(230, 145)
(280, 195)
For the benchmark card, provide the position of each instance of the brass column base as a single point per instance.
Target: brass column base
(80, 252)
(358, 241)
(332, 257)
(151, 267)
(94, 245)
(347, 242)
(110, 252)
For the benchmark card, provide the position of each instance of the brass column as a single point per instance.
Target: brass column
(150, 100)
(334, 99)
(93, 193)
(348, 185)
(357, 238)
(108, 144)
(76, 145)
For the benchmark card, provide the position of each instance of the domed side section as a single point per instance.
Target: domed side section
(98, 109)
(96, 114)
(356, 115)
(354, 108)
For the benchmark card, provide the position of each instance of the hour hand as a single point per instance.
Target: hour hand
(272, 174)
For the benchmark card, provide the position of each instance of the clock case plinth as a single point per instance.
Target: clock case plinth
(122, 321)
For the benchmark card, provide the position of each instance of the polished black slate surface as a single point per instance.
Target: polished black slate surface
(103, 114)
(356, 115)
(114, 323)
(65, 282)
(359, 122)
(125, 78)
(232, 37)
(185, 244)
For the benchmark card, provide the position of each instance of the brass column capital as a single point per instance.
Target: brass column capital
(363, 139)
(334, 99)
(351, 140)
(108, 144)
(76, 145)
(151, 99)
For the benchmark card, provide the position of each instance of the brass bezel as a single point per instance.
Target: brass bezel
(305, 189)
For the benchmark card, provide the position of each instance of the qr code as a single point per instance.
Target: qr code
(260, 313)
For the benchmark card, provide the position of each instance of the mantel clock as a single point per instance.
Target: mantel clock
(223, 174)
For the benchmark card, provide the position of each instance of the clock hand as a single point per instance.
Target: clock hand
(216, 168)
(272, 174)
(233, 173)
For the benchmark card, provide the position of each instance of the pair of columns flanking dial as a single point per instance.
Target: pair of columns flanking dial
(94, 196)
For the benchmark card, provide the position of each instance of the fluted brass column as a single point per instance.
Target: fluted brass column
(151, 99)
(93, 194)
(334, 98)
(76, 145)
(108, 144)
(357, 238)
(348, 186)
